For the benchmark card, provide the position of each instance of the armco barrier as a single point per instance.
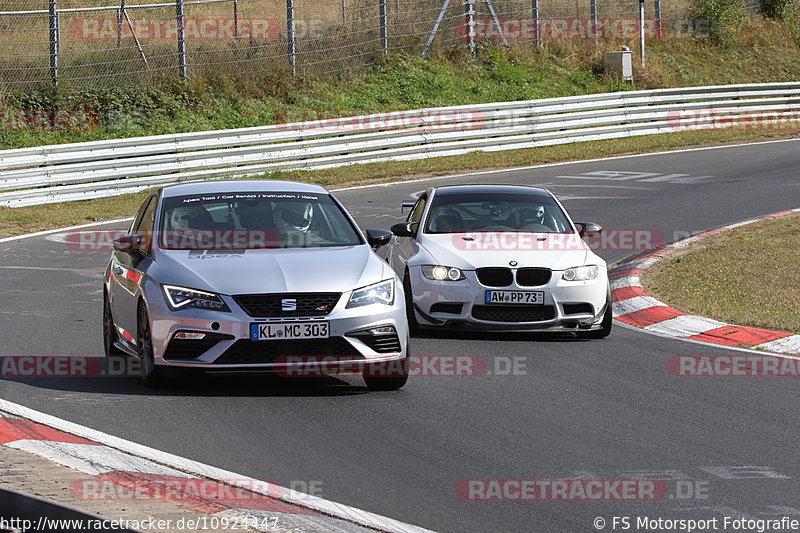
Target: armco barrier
(65, 172)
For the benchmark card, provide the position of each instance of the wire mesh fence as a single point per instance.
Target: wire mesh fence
(89, 43)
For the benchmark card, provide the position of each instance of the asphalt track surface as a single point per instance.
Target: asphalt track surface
(603, 409)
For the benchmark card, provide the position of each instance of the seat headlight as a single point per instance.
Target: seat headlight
(581, 273)
(442, 273)
(186, 298)
(378, 293)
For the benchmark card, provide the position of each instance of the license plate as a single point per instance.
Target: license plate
(289, 330)
(515, 297)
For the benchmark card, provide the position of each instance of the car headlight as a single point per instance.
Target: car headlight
(442, 273)
(185, 298)
(379, 293)
(581, 273)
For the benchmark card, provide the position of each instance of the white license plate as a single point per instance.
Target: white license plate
(289, 330)
(515, 297)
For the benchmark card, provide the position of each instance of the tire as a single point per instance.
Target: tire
(148, 371)
(109, 335)
(413, 325)
(605, 324)
(377, 380)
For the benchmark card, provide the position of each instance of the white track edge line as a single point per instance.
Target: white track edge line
(337, 510)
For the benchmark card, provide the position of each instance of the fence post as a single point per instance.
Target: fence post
(593, 16)
(290, 35)
(641, 30)
(181, 39)
(470, 12)
(535, 16)
(54, 42)
(384, 33)
(658, 23)
(235, 19)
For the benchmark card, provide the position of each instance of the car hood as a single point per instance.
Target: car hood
(337, 269)
(554, 251)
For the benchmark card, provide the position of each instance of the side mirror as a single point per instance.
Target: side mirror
(588, 229)
(404, 229)
(378, 237)
(128, 243)
(407, 204)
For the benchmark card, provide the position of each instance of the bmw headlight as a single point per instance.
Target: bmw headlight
(581, 273)
(379, 293)
(442, 273)
(185, 298)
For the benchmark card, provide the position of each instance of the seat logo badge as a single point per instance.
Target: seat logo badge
(289, 304)
(513, 263)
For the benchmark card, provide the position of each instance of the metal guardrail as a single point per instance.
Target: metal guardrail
(58, 173)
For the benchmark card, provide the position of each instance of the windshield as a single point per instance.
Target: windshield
(453, 213)
(254, 220)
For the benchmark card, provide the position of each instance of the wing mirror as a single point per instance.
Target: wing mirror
(128, 243)
(588, 229)
(405, 229)
(378, 237)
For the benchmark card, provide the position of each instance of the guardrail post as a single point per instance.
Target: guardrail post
(181, 39)
(54, 42)
(384, 32)
(290, 35)
(535, 16)
(470, 12)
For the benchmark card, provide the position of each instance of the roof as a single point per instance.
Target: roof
(222, 186)
(447, 190)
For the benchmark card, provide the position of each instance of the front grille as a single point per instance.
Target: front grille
(192, 349)
(533, 277)
(577, 309)
(247, 352)
(379, 343)
(495, 277)
(280, 304)
(454, 309)
(513, 313)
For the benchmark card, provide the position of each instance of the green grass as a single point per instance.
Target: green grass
(726, 276)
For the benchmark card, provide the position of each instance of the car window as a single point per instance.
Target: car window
(145, 224)
(416, 212)
(452, 213)
(255, 220)
(137, 221)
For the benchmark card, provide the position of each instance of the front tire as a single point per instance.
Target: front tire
(387, 376)
(148, 371)
(605, 326)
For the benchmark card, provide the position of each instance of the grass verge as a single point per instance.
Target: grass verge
(725, 276)
(17, 221)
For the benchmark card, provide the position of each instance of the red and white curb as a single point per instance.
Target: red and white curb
(115, 462)
(632, 305)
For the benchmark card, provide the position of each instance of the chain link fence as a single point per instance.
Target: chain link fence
(88, 43)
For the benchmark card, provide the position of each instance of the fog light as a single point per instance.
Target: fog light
(382, 330)
(189, 336)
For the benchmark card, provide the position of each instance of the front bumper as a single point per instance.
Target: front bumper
(568, 305)
(227, 344)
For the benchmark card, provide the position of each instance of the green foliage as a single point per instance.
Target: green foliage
(784, 10)
(722, 18)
